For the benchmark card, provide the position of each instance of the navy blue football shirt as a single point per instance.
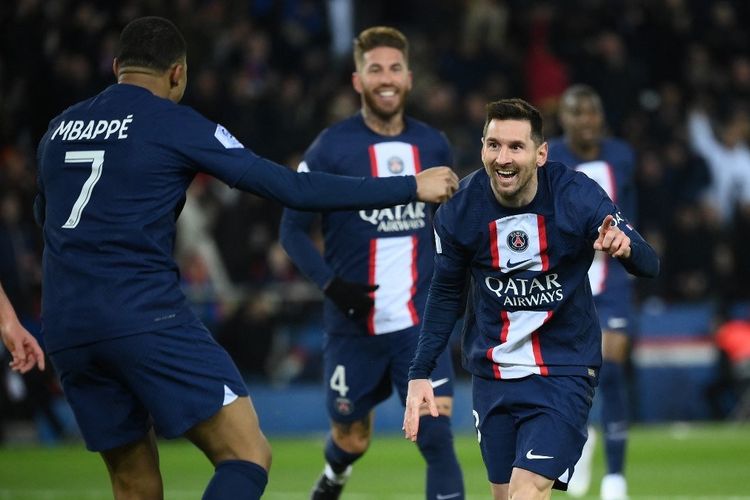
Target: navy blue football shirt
(113, 171)
(530, 307)
(391, 247)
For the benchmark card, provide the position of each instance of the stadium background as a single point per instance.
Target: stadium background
(275, 72)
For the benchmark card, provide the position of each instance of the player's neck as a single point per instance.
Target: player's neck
(586, 151)
(391, 126)
(149, 80)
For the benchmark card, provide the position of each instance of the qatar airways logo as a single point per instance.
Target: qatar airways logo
(523, 292)
(399, 218)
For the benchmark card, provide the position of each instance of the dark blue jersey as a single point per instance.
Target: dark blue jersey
(530, 305)
(391, 247)
(614, 171)
(113, 171)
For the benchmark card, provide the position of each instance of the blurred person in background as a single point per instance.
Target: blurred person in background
(610, 162)
(375, 270)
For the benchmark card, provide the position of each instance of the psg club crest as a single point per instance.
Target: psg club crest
(518, 241)
(395, 165)
(344, 406)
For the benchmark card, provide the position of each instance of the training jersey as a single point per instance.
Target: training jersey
(530, 307)
(113, 171)
(390, 247)
(614, 171)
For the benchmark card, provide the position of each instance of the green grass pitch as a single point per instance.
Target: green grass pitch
(671, 462)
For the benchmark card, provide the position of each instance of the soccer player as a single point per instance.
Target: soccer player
(132, 356)
(376, 269)
(526, 230)
(611, 163)
(23, 347)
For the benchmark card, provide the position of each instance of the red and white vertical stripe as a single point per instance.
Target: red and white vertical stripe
(393, 260)
(519, 353)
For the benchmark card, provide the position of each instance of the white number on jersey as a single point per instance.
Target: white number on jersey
(338, 381)
(97, 160)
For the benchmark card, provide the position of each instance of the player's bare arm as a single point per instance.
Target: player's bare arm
(612, 240)
(436, 185)
(419, 395)
(22, 346)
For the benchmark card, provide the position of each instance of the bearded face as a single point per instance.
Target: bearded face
(383, 81)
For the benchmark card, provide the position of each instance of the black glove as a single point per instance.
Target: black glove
(352, 298)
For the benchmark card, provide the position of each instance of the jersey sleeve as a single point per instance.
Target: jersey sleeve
(444, 300)
(210, 148)
(294, 231)
(643, 260)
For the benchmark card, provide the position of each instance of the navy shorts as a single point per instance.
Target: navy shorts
(361, 371)
(534, 423)
(615, 311)
(170, 379)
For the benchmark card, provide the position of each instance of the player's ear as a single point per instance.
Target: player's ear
(541, 154)
(176, 74)
(115, 66)
(357, 82)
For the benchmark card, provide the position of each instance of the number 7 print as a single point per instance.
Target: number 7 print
(97, 160)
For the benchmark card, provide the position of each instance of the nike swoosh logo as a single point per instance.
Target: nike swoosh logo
(438, 383)
(531, 456)
(511, 265)
(445, 497)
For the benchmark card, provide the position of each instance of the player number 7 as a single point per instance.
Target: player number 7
(97, 160)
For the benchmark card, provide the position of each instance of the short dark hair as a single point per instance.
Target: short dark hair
(516, 109)
(581, 91)
(151, 42)
(379, 36)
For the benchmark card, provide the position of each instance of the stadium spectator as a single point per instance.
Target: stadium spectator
(375, 269)
(527, 236)
(610, 162)
(725, 150)
(113, 172)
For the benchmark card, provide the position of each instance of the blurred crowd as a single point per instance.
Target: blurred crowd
(674, 76)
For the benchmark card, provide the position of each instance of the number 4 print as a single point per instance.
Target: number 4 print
(338, 380)
(96, 158)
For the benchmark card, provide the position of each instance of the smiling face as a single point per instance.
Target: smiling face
(511, 157)
(383, 80)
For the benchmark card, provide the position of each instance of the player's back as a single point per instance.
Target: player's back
(112, 183)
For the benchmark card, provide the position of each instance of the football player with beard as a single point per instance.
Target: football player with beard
(376, 268)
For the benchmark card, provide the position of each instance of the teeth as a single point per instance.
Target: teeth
(388, 93)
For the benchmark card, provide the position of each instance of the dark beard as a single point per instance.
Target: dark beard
(379, 113)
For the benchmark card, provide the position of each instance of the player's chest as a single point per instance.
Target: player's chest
(530, 241)
(387, 159)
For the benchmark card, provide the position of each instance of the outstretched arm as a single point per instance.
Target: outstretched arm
(20, 343)
(322, 191)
